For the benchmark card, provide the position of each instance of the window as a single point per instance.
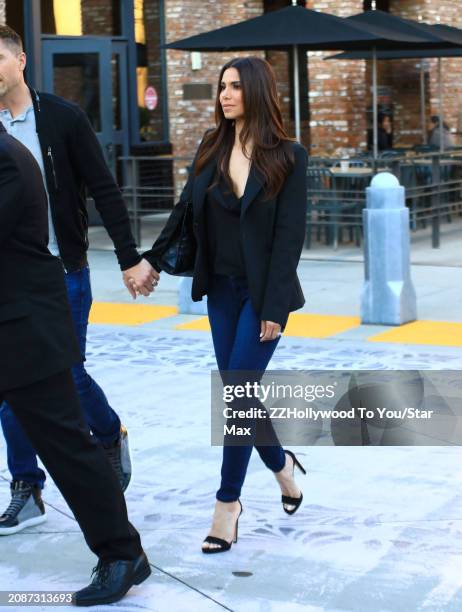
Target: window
(76, 77)
(81, 17)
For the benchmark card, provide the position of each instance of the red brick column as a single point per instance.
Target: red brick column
(97, 17)
(337, 93)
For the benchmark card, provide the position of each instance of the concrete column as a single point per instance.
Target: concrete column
(388, 296)
(185, 303)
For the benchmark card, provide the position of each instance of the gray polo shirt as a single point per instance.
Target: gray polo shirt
(23, 128)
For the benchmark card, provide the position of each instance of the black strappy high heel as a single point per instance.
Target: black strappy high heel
(293, 501)
(224, 545)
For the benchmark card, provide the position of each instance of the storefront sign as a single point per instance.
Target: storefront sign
(150, 98)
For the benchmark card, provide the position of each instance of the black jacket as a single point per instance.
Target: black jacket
(272, 235)
(384, 140)
(37, 337)
(74, 163)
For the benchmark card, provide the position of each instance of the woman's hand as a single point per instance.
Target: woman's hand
(141, 279)
(269, 331)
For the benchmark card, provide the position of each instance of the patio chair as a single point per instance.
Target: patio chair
(425, 178)
(408, 179)
(323, 200)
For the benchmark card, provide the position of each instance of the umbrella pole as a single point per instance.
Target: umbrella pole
(375, 118)
(296, 94)
(422, 102)
(440, 94)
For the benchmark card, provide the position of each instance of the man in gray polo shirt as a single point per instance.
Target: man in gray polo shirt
(23, 128)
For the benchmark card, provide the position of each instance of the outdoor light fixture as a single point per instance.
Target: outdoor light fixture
(196, 60)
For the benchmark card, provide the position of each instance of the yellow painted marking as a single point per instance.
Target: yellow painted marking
(437, 333)
(305, 325)
(129, 314)
(201, 324)
(300, 325)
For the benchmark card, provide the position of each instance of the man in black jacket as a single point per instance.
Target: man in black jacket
(60, 137)
(37, 349)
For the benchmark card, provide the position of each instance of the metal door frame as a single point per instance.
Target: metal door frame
(120, 47)
(83, 44)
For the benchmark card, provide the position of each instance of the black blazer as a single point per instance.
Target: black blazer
(272, 235)
(37, 337)
(74, 163)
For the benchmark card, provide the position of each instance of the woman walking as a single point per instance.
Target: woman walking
(248, 192)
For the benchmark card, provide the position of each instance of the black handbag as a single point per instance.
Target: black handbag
(179, 256)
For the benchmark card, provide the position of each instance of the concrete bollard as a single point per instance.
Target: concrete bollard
(388, 296)
(185, 303)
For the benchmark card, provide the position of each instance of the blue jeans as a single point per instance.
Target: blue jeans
(101, 418)
(236, 338)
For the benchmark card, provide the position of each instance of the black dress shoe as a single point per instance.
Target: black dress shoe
(112, 581)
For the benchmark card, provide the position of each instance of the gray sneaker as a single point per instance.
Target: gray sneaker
(118, 454)
(25, 510)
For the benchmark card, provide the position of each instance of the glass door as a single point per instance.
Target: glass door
(92, 72)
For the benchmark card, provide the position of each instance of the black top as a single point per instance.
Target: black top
(272, 237)
(223, 211)
(384, 139)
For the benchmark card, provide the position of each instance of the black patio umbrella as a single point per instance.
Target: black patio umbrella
(397, 54)
(449, 32)
(296, 27)
(376, 20)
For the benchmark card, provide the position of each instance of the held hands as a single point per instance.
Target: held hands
(269, 331)
(141, 279)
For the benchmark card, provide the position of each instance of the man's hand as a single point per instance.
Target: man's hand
(141, 279)
(269, 331)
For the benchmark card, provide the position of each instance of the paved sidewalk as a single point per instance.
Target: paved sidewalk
(332, 282)
(380, 529)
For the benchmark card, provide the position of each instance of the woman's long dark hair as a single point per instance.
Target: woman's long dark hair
(272, 154)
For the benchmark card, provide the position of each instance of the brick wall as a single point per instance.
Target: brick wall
(97, 17)
(339, 91)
